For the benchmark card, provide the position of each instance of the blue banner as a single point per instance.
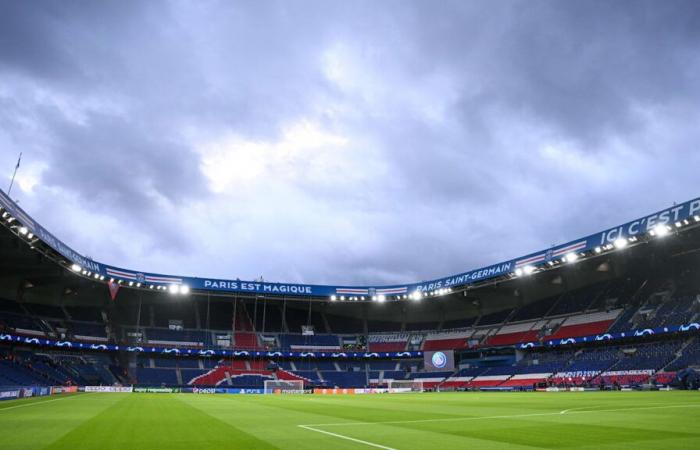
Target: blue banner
(204, 352)
(644, 332)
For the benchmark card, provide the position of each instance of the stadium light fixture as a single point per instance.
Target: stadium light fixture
(333, 298)
(598, 250)
(23, 231)
(697, 218)
(174, 289)
(381, 298)
(416, 295)
(184, 289)
(571, 258)
(75, 268)
(131, 283)
(620, 243)
(342, 297)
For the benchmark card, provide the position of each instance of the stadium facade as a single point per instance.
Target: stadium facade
(617, 308)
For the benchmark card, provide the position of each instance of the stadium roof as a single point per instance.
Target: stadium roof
(653, 226)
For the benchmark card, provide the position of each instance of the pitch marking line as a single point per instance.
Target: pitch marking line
(347, 438)
(36, 403)
(452, 419)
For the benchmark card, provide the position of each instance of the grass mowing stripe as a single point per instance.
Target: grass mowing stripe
(515, 416)
(155, 421)
(347, 438)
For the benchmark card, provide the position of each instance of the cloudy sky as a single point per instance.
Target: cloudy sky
(345, 141)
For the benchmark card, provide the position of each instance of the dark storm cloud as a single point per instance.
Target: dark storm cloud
(345, 141)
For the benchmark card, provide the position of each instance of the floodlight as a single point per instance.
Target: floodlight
(342, 297)
(620, 243)
(184, 289)
(571, 257)
(416, 295)
(174, 289)
(131, 283)
(23, 230)
(333, 298)
(660, 230)
(75, 268)
(381, 298)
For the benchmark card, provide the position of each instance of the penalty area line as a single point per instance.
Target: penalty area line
(347, 438)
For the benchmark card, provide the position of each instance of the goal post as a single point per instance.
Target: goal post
(406, 386)
(284, 387)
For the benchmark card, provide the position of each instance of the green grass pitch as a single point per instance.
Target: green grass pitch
(586, 420)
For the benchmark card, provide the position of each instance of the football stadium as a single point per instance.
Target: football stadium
(596, 338)
(365, 224)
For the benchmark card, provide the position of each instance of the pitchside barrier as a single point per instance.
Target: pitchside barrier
(17, 392)
(107, 389)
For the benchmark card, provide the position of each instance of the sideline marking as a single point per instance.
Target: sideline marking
(452, 419)
(37, 403)
(347, 438)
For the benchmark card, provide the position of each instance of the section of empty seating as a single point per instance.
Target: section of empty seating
(156, 376)
(345, 379)
(422, 326)
(84, 313)
(447, 340)
(246, 341)
(345, 324)
(24, 367)
(269, 320)
(494, 318)
(513, 334)
(383, 325)
(689, 357)
(462, 378)
(313, 342)
(395, 342)
(430, 379)
(184, 338)
(534, 310)
(578, 300)
(451, 324)
(585, 325)
(14, 373)
(298, 318)
(87, 331)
